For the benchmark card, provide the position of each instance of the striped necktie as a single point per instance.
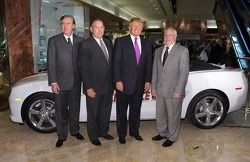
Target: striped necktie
(104, 49)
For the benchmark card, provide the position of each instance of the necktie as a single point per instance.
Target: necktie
(104, 49)
(137, 51)
(69, 42)
(165, 56)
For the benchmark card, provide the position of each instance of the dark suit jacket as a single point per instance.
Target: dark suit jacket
(62, 65)
(125, 68)
(95, 71)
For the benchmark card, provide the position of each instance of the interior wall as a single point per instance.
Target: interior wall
(18, 25)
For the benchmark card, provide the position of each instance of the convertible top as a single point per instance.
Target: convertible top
(199, 65)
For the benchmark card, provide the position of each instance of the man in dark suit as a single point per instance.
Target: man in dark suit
(95, 64)
(132, 74)
(170, 74)
(64, 79)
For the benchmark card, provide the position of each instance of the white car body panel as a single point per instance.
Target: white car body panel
(218, 80)
(224, 80)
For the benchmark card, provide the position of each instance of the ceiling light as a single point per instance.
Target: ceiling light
(46, 1)
(211, 24)
(153, 26)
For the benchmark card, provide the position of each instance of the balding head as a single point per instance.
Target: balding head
(170, 35)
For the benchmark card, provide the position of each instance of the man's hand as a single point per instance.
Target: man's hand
(55, 88)
(147, 86)
(153, 93)
(91, 93)
(119, 86)
(177, 95)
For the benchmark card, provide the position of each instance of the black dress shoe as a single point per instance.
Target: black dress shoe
(122, 140)
(59, 143)
(96, 142)
(138, 138)
(79, 136)
(157, 138)
(108, 137)
(167, 143)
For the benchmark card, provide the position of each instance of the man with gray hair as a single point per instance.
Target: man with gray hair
(170, 74)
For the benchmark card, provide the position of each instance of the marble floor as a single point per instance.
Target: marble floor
(228, 142)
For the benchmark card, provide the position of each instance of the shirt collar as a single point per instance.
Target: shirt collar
(133, 37)
(98, 40)
(169, 47)
(66, 37)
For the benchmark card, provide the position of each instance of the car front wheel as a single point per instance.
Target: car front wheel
(208, 109)
(40, 113)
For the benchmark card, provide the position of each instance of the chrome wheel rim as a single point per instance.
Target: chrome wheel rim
(42, 114)
(209, 111)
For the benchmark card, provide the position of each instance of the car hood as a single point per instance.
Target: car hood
(32, 78)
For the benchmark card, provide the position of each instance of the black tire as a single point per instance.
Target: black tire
(40, 113)
(208, 109)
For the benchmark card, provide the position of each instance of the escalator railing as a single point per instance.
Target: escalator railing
(237, 18)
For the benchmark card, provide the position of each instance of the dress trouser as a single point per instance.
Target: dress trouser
(168, 117)
(122, 102)
(67, 112)
(98, 115)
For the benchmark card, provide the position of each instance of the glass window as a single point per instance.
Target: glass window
(49, 25)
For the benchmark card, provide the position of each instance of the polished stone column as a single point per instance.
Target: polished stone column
(18, 25)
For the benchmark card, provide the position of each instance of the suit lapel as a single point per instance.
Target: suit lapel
(64, 43)
(132, 49)
(173, 50)
(160, 55)
(143, 52)
(171, 53)
(98, 48)
(74, 45)
(63, 40)
(108, 48)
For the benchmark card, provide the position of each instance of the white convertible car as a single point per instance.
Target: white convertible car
(211, 93)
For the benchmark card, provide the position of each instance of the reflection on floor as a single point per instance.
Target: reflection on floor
(19, 143)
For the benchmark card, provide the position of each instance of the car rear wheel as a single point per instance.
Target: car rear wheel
(208, 109)
(40, 113)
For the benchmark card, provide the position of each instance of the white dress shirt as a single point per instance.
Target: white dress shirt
(98, 41)
(138, 41)
(164, 49)
(71, 38)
